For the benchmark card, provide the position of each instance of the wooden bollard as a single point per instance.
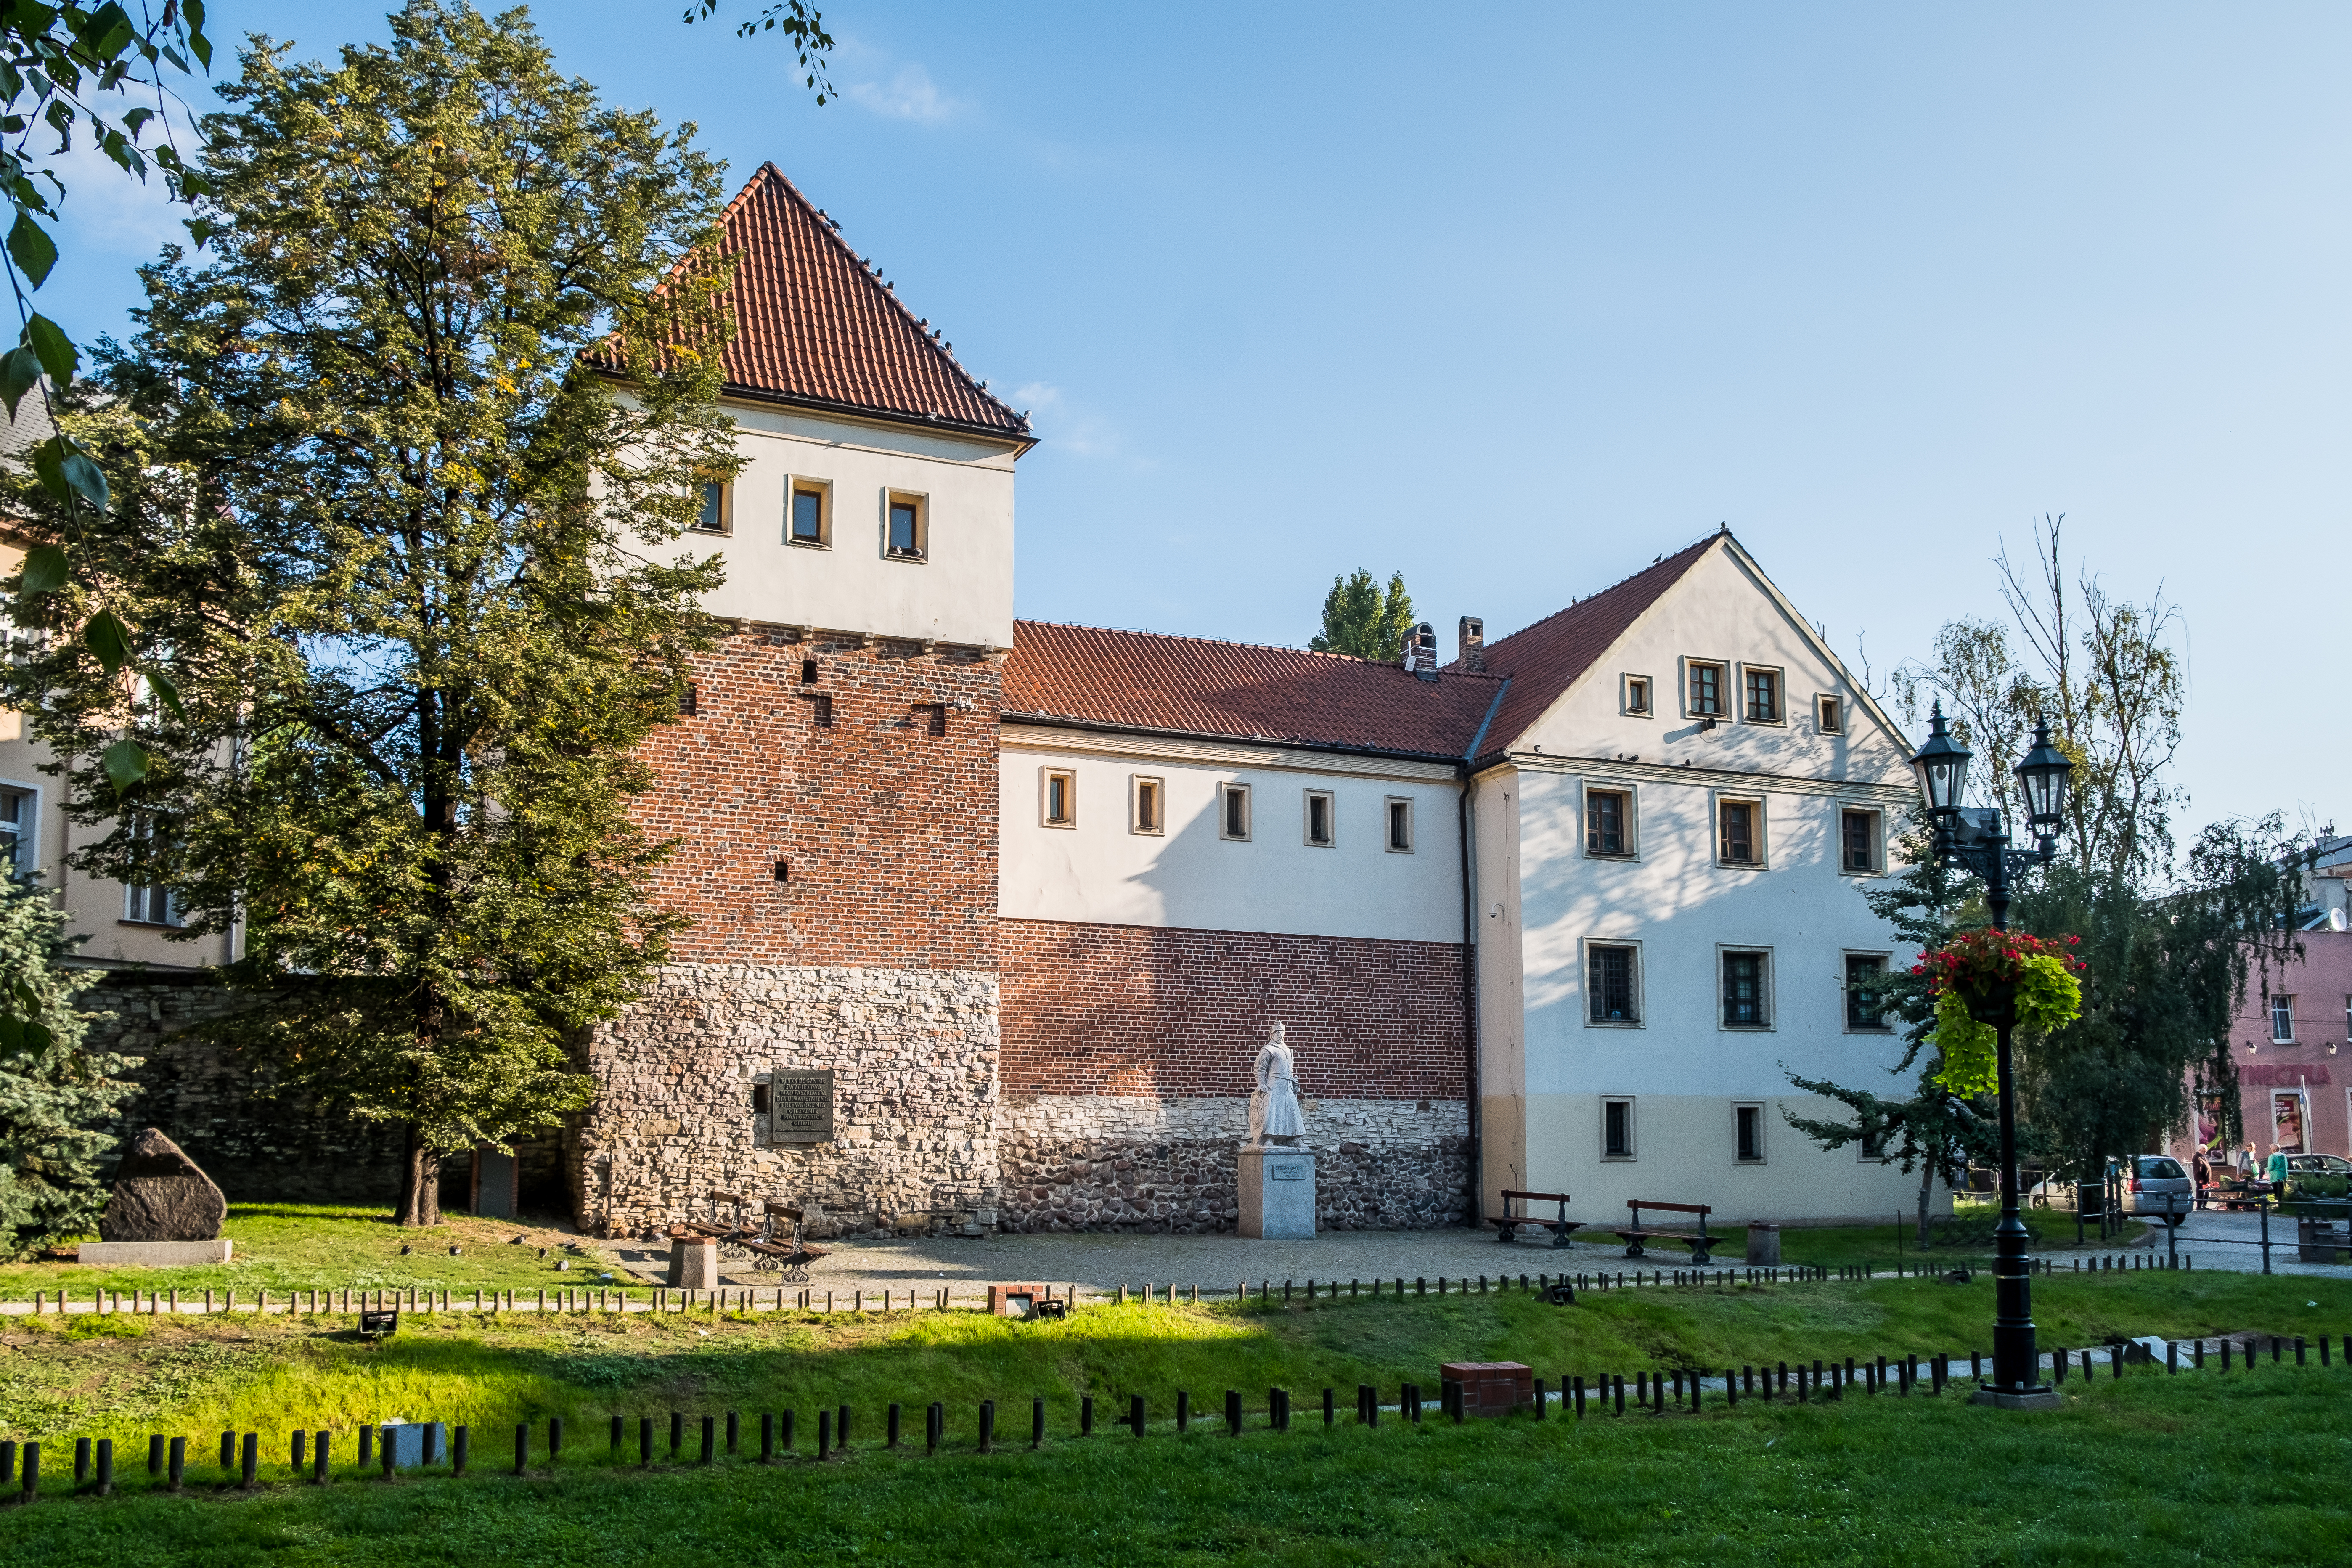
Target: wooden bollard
(320, 1469)
(987, 1424)
(522, 1445)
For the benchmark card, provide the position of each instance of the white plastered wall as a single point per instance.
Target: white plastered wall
(1101, 872)
(1547, 1066)
(961, 593)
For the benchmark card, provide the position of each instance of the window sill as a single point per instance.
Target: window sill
(1148, 832)
(1869, 1028)
(1747, 1161)
(152, 925)
(1618, 1159)
(1064, 826)
(1742, 865)
(809, 543)
(712, 533)
(1613, 855)
(1767, 723)
(1612, 1022)
(1744, 1028)
(912, 557)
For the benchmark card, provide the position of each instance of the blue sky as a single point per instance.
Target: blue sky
(1512, 299)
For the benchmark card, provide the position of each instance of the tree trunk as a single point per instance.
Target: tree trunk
(420, 1183)
(1927, 1187)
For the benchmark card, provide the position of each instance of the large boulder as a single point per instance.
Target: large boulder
(161, 1195)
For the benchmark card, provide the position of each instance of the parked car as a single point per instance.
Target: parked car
(2156, 1185)
(2319, 1165)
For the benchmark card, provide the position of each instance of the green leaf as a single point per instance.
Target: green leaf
(34, 250)
(85, 476)
(46, 569)
(20, 372)
(166, 692)
(58, 356)
(108, 639)
(125, 762)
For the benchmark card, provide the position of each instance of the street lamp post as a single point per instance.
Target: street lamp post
(1978, 840)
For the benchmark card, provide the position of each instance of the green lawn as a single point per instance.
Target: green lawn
(293, 1247)
(2150, 1470)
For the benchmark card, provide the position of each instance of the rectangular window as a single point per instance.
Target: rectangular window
(1637, 695)
(1858, 840)
(718, 513)
(1616, 1129)
(810, 524)
(1831, 712)
(148, 905)
(1736, 833)
(1399, 813)
(1318, 818)
(1744, 1003)
(690, 701)
(1747, 1133)
(1763, 696)
(808, 672)
(910, 533)
(1146, 810)
(1234, 813)
(2282, 1020)
(1861, 1012)
(1872, 1144)
(1613, 979)
(820, 708)
(930, 717)
(1604, 822)
(1705, 691)
(16, 835)
(1060, 803)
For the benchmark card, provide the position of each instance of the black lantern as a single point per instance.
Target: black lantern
(1942, 765)
(2041, 780)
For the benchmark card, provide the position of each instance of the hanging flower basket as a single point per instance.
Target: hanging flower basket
(1984, 979)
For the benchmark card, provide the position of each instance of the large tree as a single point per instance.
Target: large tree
(1361, 618)
(410, 568)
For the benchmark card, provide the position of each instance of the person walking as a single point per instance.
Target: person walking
(2203, 1173)
(2277, 1172)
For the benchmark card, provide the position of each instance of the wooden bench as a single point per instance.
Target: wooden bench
(1701, 1244)
(1507, 1224)
(787, 1251)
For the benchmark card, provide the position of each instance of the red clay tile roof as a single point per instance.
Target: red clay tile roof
(1192, 686)
(812, 326)
(1544, 659)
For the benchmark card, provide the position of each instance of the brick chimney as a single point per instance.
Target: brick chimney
(1473, 645)
(1421, 651)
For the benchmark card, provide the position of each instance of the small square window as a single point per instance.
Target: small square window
(930, 717)
(1234, 813)
(1322, 831)
(1706, 697)
(820, 708)
(1762, 695)
(718, 513)
(1607, 823)
(1146, 805)
(2282, 1020)
(1736, 840)
(690, 701)
(1059, 804)
(1747, 1000)
(1830, 711)
(1613, 982)
(1861, 1012)
(1748, 1135)
(1637, 695)
(907, 527)
(809, 514)
(1400, 820)
(808, 672)
(1858, 841)
(1616, 1129)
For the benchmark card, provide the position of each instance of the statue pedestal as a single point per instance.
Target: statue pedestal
(1277, 1192)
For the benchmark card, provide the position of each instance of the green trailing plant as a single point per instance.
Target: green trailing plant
(59, 1099)
(415, 570)
(1989, 969)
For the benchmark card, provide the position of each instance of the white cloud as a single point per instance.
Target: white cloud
(911, 95)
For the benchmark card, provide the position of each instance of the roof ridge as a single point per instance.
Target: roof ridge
(829, 232)
(1019, 622)
(1661, 563)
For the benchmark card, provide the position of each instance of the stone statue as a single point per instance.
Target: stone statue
(1274, 1115)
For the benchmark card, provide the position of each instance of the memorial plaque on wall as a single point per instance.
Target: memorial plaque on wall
(800, 1105)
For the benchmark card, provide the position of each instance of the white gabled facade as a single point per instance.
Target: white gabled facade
(1695, 1048)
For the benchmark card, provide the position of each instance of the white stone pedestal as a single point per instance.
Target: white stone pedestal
(1277, 1192)
(694, 1263)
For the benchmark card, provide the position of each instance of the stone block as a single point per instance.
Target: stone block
(693, 1262)
(1016, 1300)
(1763, 1243)
(160, 1196)
(153, 1253)
(1491, 1388)
(1277, 1192)
(414, 1444)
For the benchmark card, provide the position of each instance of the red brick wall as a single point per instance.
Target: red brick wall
(890, 828)
(1132, 1010)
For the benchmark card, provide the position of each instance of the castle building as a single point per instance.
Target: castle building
(990, 914)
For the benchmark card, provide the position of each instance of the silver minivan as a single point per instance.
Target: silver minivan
(2156, 1185)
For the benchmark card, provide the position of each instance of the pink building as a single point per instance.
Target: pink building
(2295, 1087)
